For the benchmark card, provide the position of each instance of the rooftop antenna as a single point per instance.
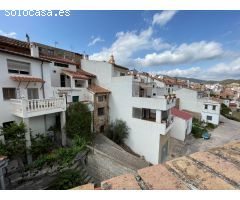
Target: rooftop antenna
(55, 44)
(28, 38)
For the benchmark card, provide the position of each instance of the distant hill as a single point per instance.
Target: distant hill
(192, 80)
(223, 82)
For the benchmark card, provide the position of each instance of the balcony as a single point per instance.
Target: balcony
(158, 103)
(31, 108)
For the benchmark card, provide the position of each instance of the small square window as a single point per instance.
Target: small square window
(9, 93)
(209, 118)
(100, 111)
(206, 107)
(214, 107)
(101, 98)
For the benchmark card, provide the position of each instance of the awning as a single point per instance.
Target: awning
(27, 79)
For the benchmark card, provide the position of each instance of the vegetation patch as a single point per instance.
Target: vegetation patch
(118, 131)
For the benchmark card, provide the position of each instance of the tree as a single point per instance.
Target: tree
(78, 121)
(118, 131)
(14, 135)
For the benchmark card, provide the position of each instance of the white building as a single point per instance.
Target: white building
(193, 101)
(135, 100)
(26, 93)
(182, 125)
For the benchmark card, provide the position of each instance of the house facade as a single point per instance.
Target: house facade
(26, 94)
(134, 100)
(195, 102)
(182, 125)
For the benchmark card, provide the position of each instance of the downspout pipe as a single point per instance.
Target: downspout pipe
(43, 90)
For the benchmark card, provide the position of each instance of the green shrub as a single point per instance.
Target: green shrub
(78, 121)
(210, 126)
(197, 131)
(224, 109)
(67, 179)
(14, 135)
(41, 144)
(117, 131)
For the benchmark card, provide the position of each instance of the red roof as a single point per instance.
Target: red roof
(74, 74)
(97, 89)
(181, 114)
(27, 79)
(61, 60)
(86, 73)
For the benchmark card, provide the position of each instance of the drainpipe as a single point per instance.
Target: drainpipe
(43, 89)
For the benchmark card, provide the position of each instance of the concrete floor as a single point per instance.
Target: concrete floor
(227, 131)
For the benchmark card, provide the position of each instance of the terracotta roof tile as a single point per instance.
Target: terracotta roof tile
(14, 42)
(23, 55)
(216, 169)
(86, 73)
(26, 79)
(75, 74)
(159, 178)
(97, 89)
(181, 114)
(62, 60)
(123, 182)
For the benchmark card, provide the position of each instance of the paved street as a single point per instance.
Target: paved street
(227, 131)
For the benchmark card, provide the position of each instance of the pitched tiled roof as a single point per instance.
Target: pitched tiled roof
(87, 73)
(14, 42)
(97, 89)
(74, 74)
(181, 114)
(23, 55)
(26, 79)
(61, 60)
(215, 169)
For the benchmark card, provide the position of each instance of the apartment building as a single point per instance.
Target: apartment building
(199, 105)
(135, 99)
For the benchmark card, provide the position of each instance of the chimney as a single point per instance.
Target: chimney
(34, 50)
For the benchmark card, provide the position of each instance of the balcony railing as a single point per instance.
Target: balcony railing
(30, 108)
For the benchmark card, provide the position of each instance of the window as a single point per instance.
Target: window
(89, 81)
(17, 67)
(60, 64)
(32, 93)
(50, 52)
(62, 80)
(214, 107)
(122, 74)
(206, 107)
(101, 98)
(75, 99)
(9, 93)
(209, 118)
(79, 83)
(100, 111)
(102, 129)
